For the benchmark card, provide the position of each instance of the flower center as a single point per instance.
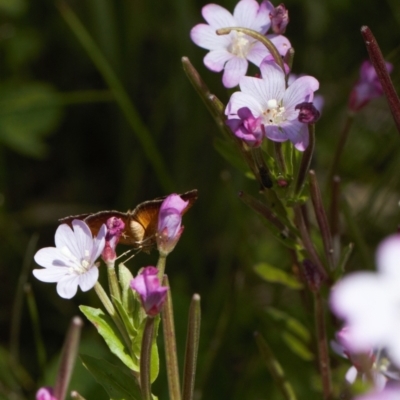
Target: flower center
(80, 266)
(240, 45)
(274, 114)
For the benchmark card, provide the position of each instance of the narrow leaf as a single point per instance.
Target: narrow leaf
(276, 275)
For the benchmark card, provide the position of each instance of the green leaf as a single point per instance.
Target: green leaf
(107, 329)
(115, 380)
(27, 113)
(13, 8)
(276, 275)
(297, 346)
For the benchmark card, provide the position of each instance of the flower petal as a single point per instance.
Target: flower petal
(240, 100)
(235, 68)
(388, 255)
(89, 279)
(53, 274)
(215, 60)
(68, 286)
(246, 15)
(65, 237)
(274, 79)
(297, 133)
(281, 43)
(50, 257)
(257, 53)
(83, 238)
(275, 133)
(302, 89)
(204, 36)
(217, 16)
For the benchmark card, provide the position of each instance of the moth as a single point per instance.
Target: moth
(140, 223)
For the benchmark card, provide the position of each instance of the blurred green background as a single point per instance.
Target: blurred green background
(72, 123)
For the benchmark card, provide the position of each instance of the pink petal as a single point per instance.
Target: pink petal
(68, 286)
(215, 60)
(98, 243)
(257, 53)
(297, 133)
(235, 68)
(275, 80)
(274, 133)
(89, 279)
(217, 16)
(245, 14)
(53, 274)
(174, 201)
(302, 89)
(204, 36)
(281, 43)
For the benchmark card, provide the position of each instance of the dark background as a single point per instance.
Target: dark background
(66, 147)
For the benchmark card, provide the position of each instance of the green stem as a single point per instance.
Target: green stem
(162, 260)
(145, 359)
(171, 357)
(192, 347)
(108, 305)
(115, 290)
(131, 114)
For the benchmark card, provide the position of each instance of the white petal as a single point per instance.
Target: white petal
(88, 280)
(217, 16)
(235, 68)
(388, 256)
(83, 238)
(65, 237)
(274, 79)
(50, 257)
(351, 375)
(302, 89)
(262, 22)
(274, 133)
(53, 274)
(68, 286)
(239, 100)
(204, 36)
(215, 60)
(297, 133)
(98, 244)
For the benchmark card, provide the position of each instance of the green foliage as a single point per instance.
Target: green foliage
(118, 383)
(276, 275)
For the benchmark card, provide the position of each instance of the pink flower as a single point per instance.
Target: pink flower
(247, 127)
(232, 52)
(369, 303)
(152, 294)
(269, 100)
(45, 393)
(367, 88)
(115, 227)
(390, 393)
(72, 262)
(169, 223)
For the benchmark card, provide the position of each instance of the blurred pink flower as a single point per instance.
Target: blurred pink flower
(169, 223)
(45, 393)
(232, 52)
(367, 88)
(72, 262)
(369, 303)
(151, 293)
(390, 393)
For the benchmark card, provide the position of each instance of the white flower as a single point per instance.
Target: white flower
(370, 302)
(232, 52)
(72, 261)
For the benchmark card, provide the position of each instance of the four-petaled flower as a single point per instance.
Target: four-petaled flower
(369, 303)
(368, 86)
(72, 261)
(232, 52)
(269, 100)
(169, 223)
(152, 294)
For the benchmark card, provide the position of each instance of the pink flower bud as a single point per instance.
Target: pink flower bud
(169, 223)
(115, 227)
(279, 18)
(151, 293)
(45, 393)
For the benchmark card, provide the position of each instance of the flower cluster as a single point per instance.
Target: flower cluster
(265, 107)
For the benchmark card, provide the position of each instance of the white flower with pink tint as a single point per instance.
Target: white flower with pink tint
(272, 105)
(72, 262)
(232, 52)
(369, 303)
